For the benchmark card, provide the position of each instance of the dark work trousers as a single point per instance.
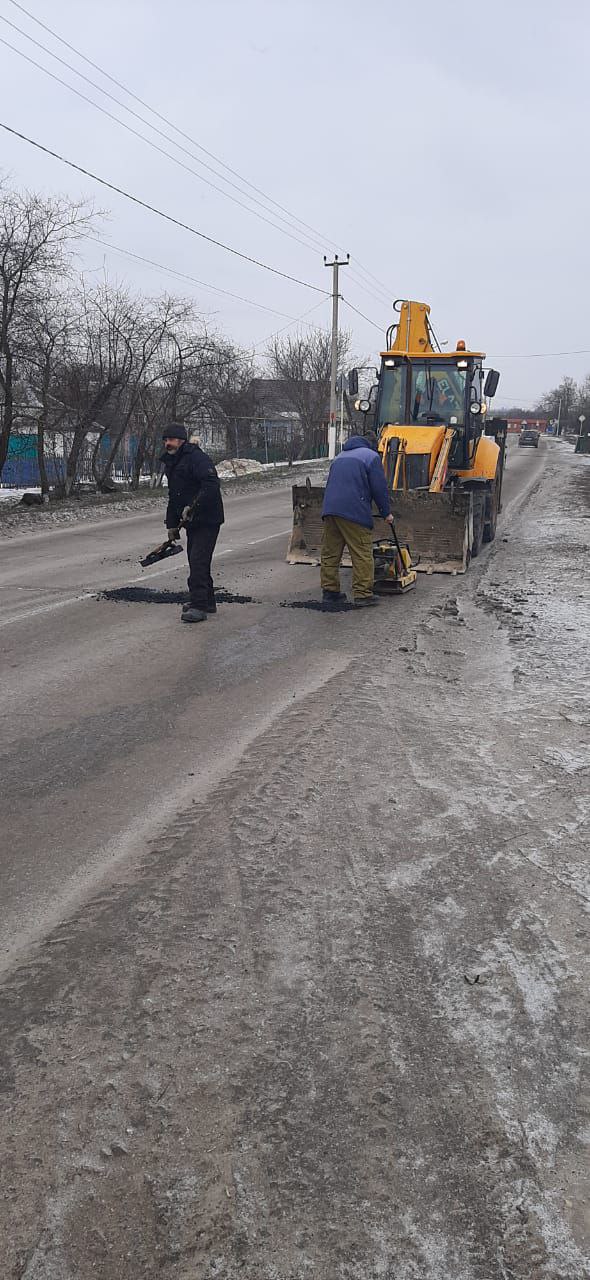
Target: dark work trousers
(200, 547)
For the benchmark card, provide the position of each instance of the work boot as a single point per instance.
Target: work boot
(191, 614)
(211, 607)
(331, 600)
(366, 602)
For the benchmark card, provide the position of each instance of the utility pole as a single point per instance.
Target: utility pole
(559, 418)
(338, 262)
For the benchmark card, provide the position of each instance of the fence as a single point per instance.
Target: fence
(264, 440)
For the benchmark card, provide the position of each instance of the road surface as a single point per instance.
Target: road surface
(109, 709)
(285, 991)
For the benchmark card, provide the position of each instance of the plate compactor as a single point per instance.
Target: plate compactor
(394, 571)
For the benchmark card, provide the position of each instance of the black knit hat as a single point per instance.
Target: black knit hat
(174, 431)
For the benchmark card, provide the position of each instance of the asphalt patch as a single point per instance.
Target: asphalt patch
(147, 595)
(345, 607)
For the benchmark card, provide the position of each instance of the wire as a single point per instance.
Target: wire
(300, 320)
(361, 314)
(182, 275)
(156, 113)
(160, 213)
(137, 134)
(538, 355)
(153, 145)
(358, 283)
(193, 280)
(120, 85)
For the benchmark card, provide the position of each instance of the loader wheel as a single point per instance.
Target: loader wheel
(491, 516)
(478, 523)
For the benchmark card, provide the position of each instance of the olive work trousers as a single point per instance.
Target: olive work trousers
(336, 535)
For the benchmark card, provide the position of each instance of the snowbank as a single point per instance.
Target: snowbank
(15, 495)
(233, 468)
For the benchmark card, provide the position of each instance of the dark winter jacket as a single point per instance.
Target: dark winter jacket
(356, 480)
(192, 476)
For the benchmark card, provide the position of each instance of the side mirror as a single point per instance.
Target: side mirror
(353, 382)
(490, 385)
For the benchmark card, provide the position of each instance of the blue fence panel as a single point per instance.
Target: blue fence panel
(21, 469)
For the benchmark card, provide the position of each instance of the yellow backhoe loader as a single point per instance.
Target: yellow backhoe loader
(442, 453)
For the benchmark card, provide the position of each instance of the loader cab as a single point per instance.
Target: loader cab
(432, 391)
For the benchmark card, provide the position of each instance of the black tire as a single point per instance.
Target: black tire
(478, 523)
(491, 515)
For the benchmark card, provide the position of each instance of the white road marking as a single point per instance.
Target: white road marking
(45, 608)
(281, 534)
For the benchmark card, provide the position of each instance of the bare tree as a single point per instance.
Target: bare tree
(42, 351)
(95, 368)
(36, 235)
(216, 382)
(562, 402)
(301, 363)
(155, 352)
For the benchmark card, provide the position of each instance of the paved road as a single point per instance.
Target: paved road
(325, 1014)
(113, 714)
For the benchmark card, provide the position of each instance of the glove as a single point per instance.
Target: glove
(173, 535)
(188, 514)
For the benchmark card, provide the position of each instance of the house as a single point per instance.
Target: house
(527, 420)
(272, 406)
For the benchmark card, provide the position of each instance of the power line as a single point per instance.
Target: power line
(362, 315)
(160, 213)
(383, 299)
(154, 145)
(299, 320)
(170, 124)
(538, 355)
(136, 133)
(182, 275)
(161, 117)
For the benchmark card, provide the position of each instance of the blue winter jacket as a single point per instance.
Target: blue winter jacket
(356, 479)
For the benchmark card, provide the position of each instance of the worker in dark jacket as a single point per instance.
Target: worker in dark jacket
(356, 480)
(194, 499)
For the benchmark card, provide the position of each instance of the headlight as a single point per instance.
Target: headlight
(476, 407)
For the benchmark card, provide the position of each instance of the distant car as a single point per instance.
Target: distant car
(529, 437)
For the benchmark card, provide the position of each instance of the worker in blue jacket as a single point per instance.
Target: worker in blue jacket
(356, 480)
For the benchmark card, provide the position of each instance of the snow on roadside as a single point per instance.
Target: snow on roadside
(14, 495)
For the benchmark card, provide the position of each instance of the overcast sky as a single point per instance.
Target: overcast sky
(444, 146)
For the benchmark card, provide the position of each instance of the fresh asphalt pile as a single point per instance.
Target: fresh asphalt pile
(334, 1022)
(151, 595)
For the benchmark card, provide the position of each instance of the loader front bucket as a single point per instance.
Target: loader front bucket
(306, 537)
(437, 527)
